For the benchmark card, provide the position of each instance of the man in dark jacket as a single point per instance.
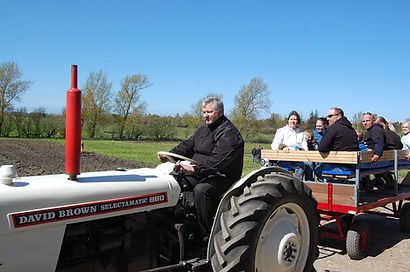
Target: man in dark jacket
(375, 138)
(340, 136)
(218, 148)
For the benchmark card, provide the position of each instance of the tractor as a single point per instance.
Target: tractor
(144, 220)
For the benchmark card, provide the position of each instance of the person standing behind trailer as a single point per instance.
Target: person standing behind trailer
(218, 148)
(339, 136)
(291, 137)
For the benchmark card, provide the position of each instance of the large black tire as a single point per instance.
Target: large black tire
(271, 226)
(405, 217)
(357, 240)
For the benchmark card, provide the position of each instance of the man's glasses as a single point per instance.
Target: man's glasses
(331, 115)
(367, 113)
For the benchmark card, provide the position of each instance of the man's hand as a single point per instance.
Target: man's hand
(375, 158)
(162, 158)
(187, 169)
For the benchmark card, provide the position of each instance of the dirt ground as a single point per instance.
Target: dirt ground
(389, 248)
(33, 157)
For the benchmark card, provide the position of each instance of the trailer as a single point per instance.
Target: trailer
(341, 195)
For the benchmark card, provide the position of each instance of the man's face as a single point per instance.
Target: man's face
(367, 121)
(319, 125)
(332, 117)
(406, 128)
(210, 114)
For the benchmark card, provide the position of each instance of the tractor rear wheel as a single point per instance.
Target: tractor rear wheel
(271, 226)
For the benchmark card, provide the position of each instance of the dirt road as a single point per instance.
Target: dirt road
(389, 249)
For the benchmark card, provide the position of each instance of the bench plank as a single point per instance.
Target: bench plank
(350, 157)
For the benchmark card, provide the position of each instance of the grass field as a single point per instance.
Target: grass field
(146, 151)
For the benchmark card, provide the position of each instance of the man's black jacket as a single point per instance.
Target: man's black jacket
(218, 148)
(375, 139)
(339, 137)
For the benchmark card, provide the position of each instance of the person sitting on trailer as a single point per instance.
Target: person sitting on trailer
(393, 140)
(291, 137)
(406, 135)
(375, 138)
(339, 136)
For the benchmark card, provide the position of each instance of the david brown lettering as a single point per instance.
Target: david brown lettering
(23, 219)
(77, 211)
(33, 218)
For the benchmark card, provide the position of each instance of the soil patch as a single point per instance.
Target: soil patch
(35, 157)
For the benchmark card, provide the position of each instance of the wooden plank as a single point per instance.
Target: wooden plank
(403, 153)
(343, 195)
(349, 157)
(319, 191)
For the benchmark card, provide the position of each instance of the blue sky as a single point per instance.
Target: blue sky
(354, 54)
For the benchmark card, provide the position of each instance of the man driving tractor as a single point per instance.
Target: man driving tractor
(218, 149)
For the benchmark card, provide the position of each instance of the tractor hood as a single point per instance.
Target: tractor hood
(44, 201)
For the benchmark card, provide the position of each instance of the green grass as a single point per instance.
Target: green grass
(146, 151)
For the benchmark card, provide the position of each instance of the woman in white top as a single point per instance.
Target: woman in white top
(291, 137)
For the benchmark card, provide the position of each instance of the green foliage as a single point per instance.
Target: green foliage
(11, 88)
(310, 123)
(96, 101)
(127, 99)
(249, 102)
(160, 128)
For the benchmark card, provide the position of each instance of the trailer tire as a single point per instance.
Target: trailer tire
(271, 226)
(357, 240)
(405, 218)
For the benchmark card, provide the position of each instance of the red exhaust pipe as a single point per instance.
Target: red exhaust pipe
(73, 128)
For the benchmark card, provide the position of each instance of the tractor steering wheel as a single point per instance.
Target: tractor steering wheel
(170, 156)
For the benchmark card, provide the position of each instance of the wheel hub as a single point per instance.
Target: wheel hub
(282, 245)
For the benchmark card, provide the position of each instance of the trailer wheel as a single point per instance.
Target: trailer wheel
(405, 218)
(271, 226)
(357, 240)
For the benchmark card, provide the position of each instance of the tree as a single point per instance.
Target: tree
(11, 87)
(96, 101)
(249, 102)
(128, 97)
(310, 123)
(36, 116)
(160, 128)
(198, 107)
(51, 124)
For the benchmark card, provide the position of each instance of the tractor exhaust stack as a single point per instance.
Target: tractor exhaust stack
(73, 128)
